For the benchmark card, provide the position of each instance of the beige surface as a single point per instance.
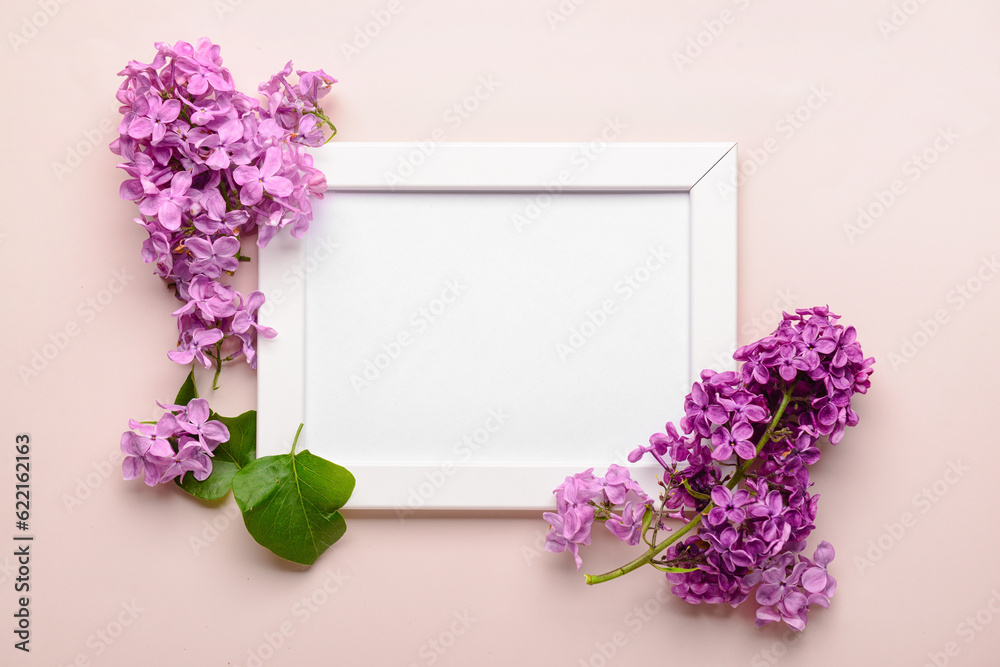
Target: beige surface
(477, 584)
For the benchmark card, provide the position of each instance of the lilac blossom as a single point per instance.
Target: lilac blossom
(583, 498)
(779, 595)
(181, 441)
(737, 474)
(207, 165)
(213, 258)
(196, 344)
(157, 116)
(168, 204)
(569, 530)
(210, 433)
(225, 146)
(702, 412)
(208, 300)
(245, 328)
(628, 526)
(728, 505)
(817, 582)
(733, 438)
(189, 457)
(618, 483)
(144, 446)
(742, 408)
(258, 180)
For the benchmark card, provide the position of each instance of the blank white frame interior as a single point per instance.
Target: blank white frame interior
(406, 230)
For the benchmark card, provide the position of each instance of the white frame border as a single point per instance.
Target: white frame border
(707, 171)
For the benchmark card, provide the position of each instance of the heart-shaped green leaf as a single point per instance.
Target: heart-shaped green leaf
(229, 457)
(290, 502)
(187, 391)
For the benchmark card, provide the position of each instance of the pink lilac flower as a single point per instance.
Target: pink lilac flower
(256, 181)
(569, 530)
(728, 505)
(143, 448)
(733, 438)
(618, 483)
(157, 116)
(181, 441)
(245, 328)
(816, 580)
(579, 499)
(167, 204)
(207, 163)
(213, 258)
(189, 457)
(742, 408)
(578, 489)
(780, 597)
(628, 526)
(208, 299)
(210, 433)
(702, 412)
(732, 549)
(196, 344)
(226, 146)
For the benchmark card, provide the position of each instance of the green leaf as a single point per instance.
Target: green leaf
(187, 391)
(647, 519)
(695, 494)
(663, 568)
(216, 486)
(230, 457)
(241, 448)
(290, 502)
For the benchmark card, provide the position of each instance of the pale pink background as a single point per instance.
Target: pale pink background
(62, 239)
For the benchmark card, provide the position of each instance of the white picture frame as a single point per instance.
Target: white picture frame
(703, 174)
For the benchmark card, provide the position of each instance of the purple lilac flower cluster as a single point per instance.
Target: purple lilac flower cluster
(181, 441)
(583, 498)
(208, 165)
(736, 472)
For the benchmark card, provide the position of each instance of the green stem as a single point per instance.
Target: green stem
(296, 440)
(690, 525)
(218, 365)
(764, 439)
(323, 117)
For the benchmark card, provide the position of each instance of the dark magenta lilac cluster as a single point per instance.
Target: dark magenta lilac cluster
(208, 165)
(736, 474)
